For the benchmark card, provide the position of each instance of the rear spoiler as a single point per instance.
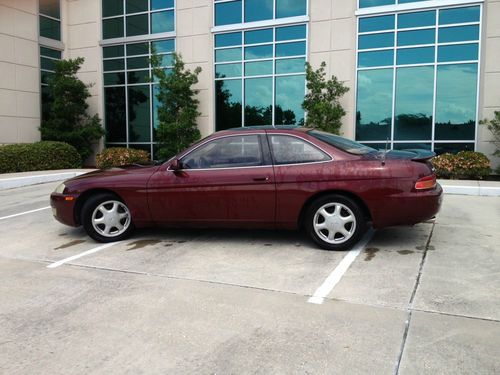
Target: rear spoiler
(421, 155)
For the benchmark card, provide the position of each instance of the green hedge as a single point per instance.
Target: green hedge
(119, 156)
(38, 156)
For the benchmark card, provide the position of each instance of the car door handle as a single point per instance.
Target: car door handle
(261, 178)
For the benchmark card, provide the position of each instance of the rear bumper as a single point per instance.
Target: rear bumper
(410, 208)
(63, 208)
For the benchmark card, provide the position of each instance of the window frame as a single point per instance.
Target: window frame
(57, 19)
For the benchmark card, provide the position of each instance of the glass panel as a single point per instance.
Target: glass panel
(293, 150)
(290, 32)
(167, 60)
(408, 38)
(290, 93)
(118, 64)
(259, 68)
(50, 8)
(290, 8)
(162, 22)
(112, 8)
(228, 13)
(376, 23)
(137, 49)
(138, 76)
(50, 52)
(374, 105)
(258, 52)
(137, 25)
(229, 39)
(138, 62)
(412, 146)
(290, 49)
(417, 19)
(290, 65)
(161, 4)
(135, 6)
(414, 100)
(50, 28)
(112, 28)
(46, 102)
(375, 58)
(376, 40)
(258, 101)
(458, 34)
(164, 46)
(228, 104)
(47, 64)
(259, 36)
(258, 10)
(228, 70)
(45, 76)
(459, 52)
(138, 114)
(375, 3)
(415, 55)
(114, 79)
(456, 101)
(229, 54)
(114, 117)
(453, 148)
(114, 51)
(459, 15)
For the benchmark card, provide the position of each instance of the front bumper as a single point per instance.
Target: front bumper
(63, 208)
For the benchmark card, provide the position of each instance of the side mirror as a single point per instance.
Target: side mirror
(175, 165)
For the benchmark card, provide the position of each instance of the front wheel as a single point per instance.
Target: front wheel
(106, 218)
(335, 222)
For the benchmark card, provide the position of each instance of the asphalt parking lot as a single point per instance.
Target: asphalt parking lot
(413, 300)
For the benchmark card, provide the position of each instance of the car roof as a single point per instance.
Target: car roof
(264, 128)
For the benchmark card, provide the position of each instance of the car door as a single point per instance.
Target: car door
(226, 181)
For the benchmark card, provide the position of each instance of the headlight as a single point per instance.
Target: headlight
(60, 188)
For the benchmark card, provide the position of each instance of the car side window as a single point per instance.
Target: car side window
(228, 152)
(293, 150)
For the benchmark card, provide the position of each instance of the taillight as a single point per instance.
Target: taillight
(427, 182)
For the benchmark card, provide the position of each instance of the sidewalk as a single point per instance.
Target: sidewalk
(471, 187)
(15, 180)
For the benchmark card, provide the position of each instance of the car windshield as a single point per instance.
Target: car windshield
(344, 144)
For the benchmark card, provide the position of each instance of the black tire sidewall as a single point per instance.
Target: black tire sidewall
(86, 218)
(353, 206)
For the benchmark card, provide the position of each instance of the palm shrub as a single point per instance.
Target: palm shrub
(494, 127)
(67, 119)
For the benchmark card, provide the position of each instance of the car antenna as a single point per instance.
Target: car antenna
(385, 152)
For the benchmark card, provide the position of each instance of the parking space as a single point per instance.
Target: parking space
(421, 299)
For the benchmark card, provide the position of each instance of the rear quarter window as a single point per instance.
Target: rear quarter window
(293, 150)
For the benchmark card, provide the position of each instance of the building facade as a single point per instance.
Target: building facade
(421, 73)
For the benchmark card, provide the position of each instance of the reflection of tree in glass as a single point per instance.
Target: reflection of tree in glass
(135, 97)
(228, 111)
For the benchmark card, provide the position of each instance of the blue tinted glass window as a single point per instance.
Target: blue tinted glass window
(134, 6)
(137, 49)
(296, 65)
(228, 54)
(259, 36)
(258, 10)
(290, 92)
(453, 148)
(164, 46)
(161, 4)
(258, 52)
(376, 40)
(228, 70)
(290, 8)
(226, 40)
(109, 8)
(113, 51)
(291, 32)
(459, 52)
(417, 19)
(375, 58)
(412, 146)
(258, 101)
(458, 15)
(259, 68)
(137, 25)
(408, 38)
(458, 34)
(162, 21)
(376, 23)
(415, 55)
(228, 13)
(290, 49)
(375, 3)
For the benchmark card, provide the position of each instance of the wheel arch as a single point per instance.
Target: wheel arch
(85, 196)
(356, 198)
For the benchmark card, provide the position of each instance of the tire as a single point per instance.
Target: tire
(335, 222)
(116, 220)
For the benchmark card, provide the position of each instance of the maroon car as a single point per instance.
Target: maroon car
(259, 177)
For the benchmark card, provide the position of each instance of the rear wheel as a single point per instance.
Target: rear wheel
(335, 222)
(106, 218)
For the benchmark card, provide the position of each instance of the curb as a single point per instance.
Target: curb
(486, 191)
(15, 182)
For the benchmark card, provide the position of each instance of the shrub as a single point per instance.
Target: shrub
(465, 165)
(119, 156)
(494, 128)
(38, 156)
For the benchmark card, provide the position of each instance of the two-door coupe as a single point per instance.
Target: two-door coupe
(259, 177)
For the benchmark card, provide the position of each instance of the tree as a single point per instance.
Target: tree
(178, 107)
(494, 128)
(322, 100)
(67, 119)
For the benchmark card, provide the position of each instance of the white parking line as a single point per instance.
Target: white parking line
(24, 213)
(319, 295)
(88, 252)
